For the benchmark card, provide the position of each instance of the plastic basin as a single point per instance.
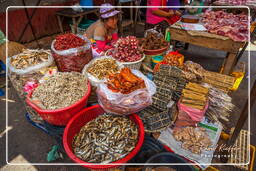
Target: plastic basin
(86, 115)
(167, 157)
(61, 116)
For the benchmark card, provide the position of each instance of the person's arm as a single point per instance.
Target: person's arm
(102, 45)
(162, 13)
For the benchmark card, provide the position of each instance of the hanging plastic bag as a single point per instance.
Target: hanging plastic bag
(93, 80)
(33, 68)
(125, 104)
(73, 59)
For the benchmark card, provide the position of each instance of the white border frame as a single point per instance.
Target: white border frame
(134, 164)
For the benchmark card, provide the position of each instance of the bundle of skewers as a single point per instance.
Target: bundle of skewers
(220, 105)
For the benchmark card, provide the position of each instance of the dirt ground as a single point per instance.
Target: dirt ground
(27, 144)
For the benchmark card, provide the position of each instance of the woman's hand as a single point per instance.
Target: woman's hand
(171, 13)
(178, 13)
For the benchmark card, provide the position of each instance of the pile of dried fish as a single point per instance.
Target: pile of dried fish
(29, 58)
(220, 105)
(195, 96)
(101, 68)
(60, 90)
(193, 139)
(193, 70)
(105, 139)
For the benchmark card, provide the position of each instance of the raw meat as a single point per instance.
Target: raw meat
(227, 24)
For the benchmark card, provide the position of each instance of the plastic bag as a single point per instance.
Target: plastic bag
(93, 80)
(189, 116)
(124, 104)
(153, 30)
(33, 68)
(72, 59)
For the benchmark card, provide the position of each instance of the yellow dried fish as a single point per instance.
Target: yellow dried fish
(101, 68)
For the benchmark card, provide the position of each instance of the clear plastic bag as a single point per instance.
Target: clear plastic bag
(30, 69)
(153, 30)
(93, 80)
(125, 104)
(73, 59)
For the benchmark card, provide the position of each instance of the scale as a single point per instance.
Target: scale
(194, 11)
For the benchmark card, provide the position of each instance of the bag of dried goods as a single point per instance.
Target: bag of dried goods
(29, 61)
(153, 40)
(99, 68)
(71, 52)
(126, 92)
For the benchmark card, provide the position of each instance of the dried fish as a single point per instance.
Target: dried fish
(193, 139)
(60, 90)
(101, 68)
(29, 58)
(106, 144)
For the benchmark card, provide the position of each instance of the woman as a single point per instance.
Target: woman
(162, 17)
(104, 31)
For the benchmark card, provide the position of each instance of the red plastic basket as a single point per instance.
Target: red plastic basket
(80, 120)
(60, 117)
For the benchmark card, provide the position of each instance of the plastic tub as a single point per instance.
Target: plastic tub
(167, 157)
(60, 117)
(80, 120)
(86, 2)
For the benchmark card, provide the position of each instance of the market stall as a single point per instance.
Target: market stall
(107, 110)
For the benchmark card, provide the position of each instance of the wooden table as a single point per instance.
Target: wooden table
(76, 16)
(212, 41)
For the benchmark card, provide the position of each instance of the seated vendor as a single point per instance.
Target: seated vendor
(162, 17)
(104, 31)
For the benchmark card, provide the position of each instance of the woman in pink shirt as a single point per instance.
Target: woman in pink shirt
(162, 17)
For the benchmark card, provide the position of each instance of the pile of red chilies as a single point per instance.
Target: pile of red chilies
(67, 41)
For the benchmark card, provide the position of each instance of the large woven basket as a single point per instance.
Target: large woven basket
(134, 65)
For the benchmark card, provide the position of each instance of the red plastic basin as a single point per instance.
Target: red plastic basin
(86, 115)
(61, 116)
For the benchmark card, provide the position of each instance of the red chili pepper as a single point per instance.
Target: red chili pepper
(67, 41)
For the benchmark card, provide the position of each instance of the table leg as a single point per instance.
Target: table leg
(229, 63)
(74, 25)
(60, 23)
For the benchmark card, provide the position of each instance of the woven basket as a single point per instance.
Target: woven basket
(134, 65)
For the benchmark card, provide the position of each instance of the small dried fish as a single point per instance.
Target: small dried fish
(101, 68)
(61, 90)
(29, 58)
(105, 144)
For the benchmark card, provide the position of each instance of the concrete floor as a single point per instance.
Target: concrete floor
(27, 144)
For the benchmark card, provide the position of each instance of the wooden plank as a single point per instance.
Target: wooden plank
(229, 63)
(71, 13)
(60, 23)
(213, 43)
